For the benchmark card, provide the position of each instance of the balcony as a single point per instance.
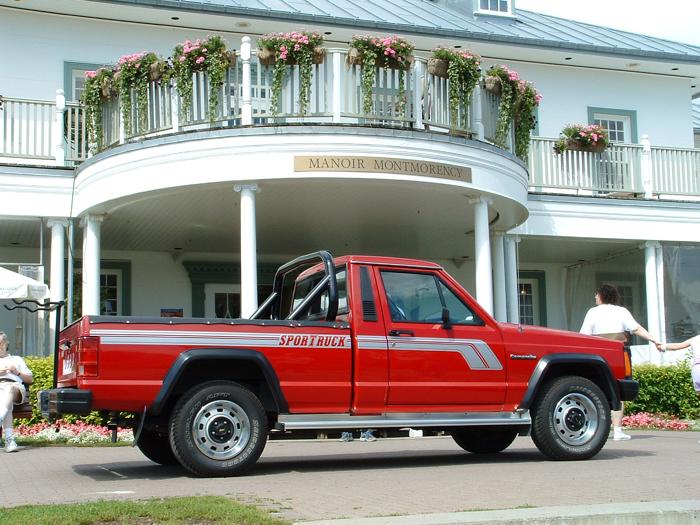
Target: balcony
(52, 133)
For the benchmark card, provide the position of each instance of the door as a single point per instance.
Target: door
(431, 363)
(222, 301)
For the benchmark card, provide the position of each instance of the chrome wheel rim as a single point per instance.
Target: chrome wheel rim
(575, 419)
(221, 430)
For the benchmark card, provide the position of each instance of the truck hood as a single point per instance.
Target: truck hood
(536, 335)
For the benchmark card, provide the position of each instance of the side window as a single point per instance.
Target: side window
(74, 78)
(620, 124)
(420, 298)
(319, 306)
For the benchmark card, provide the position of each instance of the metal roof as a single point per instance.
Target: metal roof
(439, 18)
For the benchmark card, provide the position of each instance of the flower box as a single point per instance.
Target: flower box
(354, 58)
(267, 57)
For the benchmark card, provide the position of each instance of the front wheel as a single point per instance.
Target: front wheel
(484, 440)
(571, 419)
(218, 429)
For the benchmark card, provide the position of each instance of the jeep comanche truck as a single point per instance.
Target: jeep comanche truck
(342, 344)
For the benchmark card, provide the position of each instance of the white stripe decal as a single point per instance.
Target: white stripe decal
(476, 352)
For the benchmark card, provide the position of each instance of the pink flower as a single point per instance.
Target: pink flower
(199, 60)
(182, 59)
(90, 74)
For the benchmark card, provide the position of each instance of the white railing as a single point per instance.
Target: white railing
(75, 130)
(676, 171)
(617, 169)
(27, 128)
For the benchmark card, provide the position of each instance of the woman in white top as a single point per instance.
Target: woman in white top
(13, 373)
(609, 319)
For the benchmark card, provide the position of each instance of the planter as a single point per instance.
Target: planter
(493, 85)
(155, 71)
(574, 145)
(266, 57)
(438, 67)
(231, 56)
(319, 55)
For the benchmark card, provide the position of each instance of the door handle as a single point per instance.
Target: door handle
(401, 332)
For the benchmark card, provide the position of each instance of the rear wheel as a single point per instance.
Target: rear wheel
(484, 440)
(218, 429)
(156, 447)
(571, 419)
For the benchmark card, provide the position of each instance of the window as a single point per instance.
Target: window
(421, 297)
(501, 7)
(110, 292)
(318, 308)
(532, 302)
(74, 78)
(620, 124)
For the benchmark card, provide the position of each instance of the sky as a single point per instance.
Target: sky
(677, 20)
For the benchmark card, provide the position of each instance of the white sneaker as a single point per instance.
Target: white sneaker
(346, 436)
(10, 445)
(621, 436)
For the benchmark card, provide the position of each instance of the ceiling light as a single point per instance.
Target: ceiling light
(458, 47)
(174, 18)
(674, 69)
(327, 33)
(568, 58)
(242, 24)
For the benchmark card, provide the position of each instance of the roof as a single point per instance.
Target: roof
(436, 18)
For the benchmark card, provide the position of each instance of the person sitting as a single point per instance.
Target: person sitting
(14, 373)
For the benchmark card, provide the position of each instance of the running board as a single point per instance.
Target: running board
(418, 420)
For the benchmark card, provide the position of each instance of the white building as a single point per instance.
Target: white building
(176, 218)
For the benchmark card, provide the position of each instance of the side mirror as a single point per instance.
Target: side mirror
(446, 323)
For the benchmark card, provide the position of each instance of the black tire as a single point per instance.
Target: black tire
(156, 447)
(570, 419)
(218, 429)
(484, 440)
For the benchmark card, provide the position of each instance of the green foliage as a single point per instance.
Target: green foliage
(99, 86)
(387, 52)
(288, 49)
(519, 99)
(171, 511)
(463, 74)
(209, 56)
(665, 390)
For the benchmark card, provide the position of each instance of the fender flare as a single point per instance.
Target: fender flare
(188, 357)
(548, 361)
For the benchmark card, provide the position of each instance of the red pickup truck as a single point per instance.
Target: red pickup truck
(349, 343)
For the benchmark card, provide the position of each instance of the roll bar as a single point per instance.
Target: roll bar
(273, 302)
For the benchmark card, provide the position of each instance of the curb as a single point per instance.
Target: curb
(684, 512)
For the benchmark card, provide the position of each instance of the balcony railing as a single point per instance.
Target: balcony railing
(54, 133)
(631, 169)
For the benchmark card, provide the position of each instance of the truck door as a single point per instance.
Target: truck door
(433, 363)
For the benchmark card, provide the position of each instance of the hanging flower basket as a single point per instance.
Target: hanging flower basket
(578, 137)
(355, 58)
(493, 85)
(438, 67)
(156, 70)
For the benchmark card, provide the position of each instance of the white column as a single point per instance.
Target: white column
(499, 278)
(661, 291)
(418, 95)
(249, 257)
(645, 168)
(91, 264)
(57, 283)
(652, 288)
(482, 249)
(59, 150)
(337, 85)
(511, 257)
(246, 98)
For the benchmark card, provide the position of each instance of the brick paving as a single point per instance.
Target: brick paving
(323, 479)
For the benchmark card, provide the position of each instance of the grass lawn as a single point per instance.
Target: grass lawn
(195, 510)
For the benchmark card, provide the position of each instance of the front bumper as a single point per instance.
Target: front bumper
(56, 402)
(629, 388)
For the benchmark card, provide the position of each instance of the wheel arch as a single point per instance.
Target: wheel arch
(592, 367)
(248, 367)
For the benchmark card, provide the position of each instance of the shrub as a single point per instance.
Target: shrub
(665, 390)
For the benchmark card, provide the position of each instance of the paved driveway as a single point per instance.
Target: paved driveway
(319, 479)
